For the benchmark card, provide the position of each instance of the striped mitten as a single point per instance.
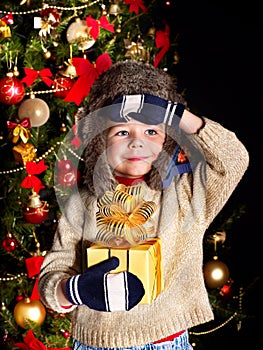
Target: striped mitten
(104, 291)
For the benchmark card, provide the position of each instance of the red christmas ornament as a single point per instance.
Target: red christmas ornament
(225, 289)
(19, 298)
(66, 334)
(65, 165)
(9, 243)
(12, 90)
(67, 173)
(64, 84)
(35, 211)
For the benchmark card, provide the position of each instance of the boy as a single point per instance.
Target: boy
(132, 129)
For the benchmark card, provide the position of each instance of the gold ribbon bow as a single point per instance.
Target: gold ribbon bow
(123, 215)
(20, 130)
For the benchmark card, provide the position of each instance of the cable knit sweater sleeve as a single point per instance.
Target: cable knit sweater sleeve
(227, 160)
(66, 256)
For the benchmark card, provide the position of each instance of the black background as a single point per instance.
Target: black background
(220, 71)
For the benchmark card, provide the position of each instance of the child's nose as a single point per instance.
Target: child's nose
(136, 143)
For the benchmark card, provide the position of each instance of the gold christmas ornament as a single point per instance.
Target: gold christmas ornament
(136, 51)
(16, 71)
(118, 29)
(47, 54)
(27, 310)
(70, 70)
(151, 32)
(78, 31)
(35, 109)
(216, 273)
(63, 128)
(5, 31)
(114, 9)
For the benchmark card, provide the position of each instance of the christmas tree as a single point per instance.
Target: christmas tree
(50, 55)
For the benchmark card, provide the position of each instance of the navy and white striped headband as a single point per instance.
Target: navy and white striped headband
(146, 108)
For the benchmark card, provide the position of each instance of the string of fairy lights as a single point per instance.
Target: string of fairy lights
(51, 150)
(61, 8)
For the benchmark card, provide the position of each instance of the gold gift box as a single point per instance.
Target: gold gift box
(24, 152)
(144, 261)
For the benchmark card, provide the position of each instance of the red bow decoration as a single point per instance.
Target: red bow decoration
(32, 75)
(88, 73)
(31, 181)
(20, 130)
(135, 5)
(32, 343)
(33, 268)
(162, 41)
(25, 123)
(8, 19)
(75, 141)
(95, 25)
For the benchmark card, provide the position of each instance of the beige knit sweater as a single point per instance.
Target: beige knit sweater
(188, 206)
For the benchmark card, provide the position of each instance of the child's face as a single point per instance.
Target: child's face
(132, 147)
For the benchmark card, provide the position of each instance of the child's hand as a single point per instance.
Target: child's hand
(104, 291)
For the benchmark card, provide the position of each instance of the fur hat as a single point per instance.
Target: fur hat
(122, 78)
(132, 77)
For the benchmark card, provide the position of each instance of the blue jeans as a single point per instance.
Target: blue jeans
(179, 343)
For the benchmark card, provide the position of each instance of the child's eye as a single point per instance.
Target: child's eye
(122, 133)
(150, 132)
